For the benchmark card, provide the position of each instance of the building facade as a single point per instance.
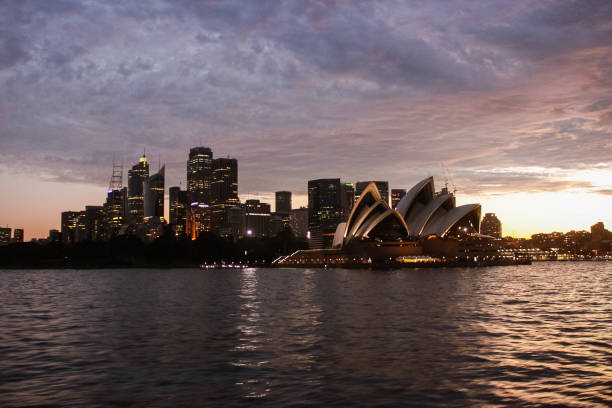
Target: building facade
(396, 196)
(18, 235)
(179, 204)
(137, 176)
(299, 222)
(224, 193)
(324, 211)
(5, 236)
(199, 174)
(257, 218)
(283, 202)
(154, 194)
(491, 226)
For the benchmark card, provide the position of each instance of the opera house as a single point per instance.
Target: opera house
(423, 224)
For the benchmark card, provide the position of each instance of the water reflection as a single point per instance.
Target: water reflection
(493, 336)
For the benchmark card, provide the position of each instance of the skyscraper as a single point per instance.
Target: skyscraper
(324, 211)
(199, 174)
(491, 225)
(179, 203)
(299, 222)
(224, 192)
(396, 195)
(136, 179)
(383, 188)
(154, 194)
(283, 202)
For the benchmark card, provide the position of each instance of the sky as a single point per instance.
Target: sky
(510, 101)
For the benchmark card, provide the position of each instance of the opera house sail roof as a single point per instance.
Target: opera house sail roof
(420, 213)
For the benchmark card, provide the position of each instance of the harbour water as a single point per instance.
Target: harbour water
(514, 335)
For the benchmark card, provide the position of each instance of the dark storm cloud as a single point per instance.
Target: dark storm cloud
(356, 89)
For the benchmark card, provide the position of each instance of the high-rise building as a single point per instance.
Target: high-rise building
(154, 194)
(283, 202)
(491, 225)
(257, 218)
(396, 195)
(94, 222)
(224, 189)
(383, 189)
(73, 226)
(199, 174)
(179, 204)
(299, 222)
(137, 176)
(5, 236)
(347, 199)
(18, 235)
(324, 211)
(114, 212)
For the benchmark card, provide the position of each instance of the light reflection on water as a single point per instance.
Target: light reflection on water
(525, 335)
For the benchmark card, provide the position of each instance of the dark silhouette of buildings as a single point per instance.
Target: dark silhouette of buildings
(491, 226)
(154, 194)
(224, 193)
(396, 196)
(5, 236)
(199, 174)
(283, 202)
(18, 235)
(347, 199)
(382, 186)
(324, 211)
(257, 218)
(179, 204)
(299, 222)
(73, 226)
(137, 176)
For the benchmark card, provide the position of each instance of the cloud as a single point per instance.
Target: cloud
(359, 90)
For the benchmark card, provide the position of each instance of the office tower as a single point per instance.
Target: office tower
(198, 219)
(154, 194)
(224, 192)
(114, 212)
(383, 189)
(179, 203)
(347, 199)
(199, 174)
(283, 202)
(491, 225)
(18, 235)
(5, 236)
(94, 222)
(257, 218)
(73, 226)
(136, 179)
(324, 211)
(396, 195)
(299, 222)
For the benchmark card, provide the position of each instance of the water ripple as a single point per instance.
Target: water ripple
(505, 336)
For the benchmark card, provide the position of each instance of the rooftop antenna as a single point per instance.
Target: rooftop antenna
(116, 181)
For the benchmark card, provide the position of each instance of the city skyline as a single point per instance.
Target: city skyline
(508, 101)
